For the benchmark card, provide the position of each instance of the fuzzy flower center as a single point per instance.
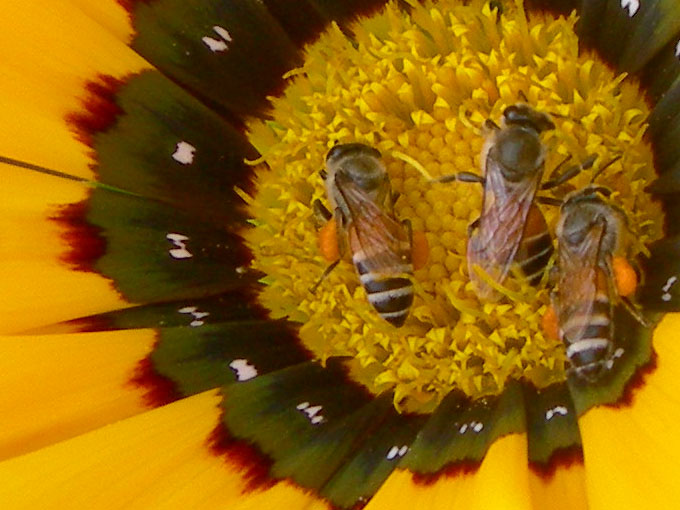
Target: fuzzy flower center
(418, 86)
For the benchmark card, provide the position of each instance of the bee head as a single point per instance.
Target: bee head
(358, 163)
(523, 115)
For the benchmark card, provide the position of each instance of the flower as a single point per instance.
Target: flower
(153, 344)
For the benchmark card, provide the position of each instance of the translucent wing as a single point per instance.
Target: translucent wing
(494, 244)
(580, 278)
(380, 239)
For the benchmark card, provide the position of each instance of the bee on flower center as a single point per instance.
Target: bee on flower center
(591, 278)
(361, 198)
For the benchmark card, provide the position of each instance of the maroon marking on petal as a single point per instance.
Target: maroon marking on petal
(129, 5)
(636, 382)
(450, 470)
(562, 458)
(253, 464)
(99, 108)
(159, 389)
(85, 242)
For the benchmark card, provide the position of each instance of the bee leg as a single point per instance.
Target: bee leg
(323, 174)
(548, 201)
(570, 172)
(461, 176)
(321, 213)
(325, 274)
(339, 219)
(630, 307)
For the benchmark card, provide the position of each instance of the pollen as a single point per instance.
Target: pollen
(418, 86)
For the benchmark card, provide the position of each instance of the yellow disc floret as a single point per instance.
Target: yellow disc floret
(418, 86)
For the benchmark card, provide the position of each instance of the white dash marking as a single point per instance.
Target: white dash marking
(557, 410)
(184, 153)
(244, 370)
(222, 32)
(180, 252)
(241, 270)
(666, 296)
(392, 454)
(197, 316)
(312, 412)
(478, 427)
(618, 353)
(403, 450)
(218, 45)
(633, 6)
(463, 428)
(677, 49)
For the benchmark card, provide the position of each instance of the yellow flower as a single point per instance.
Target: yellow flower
(161, 348)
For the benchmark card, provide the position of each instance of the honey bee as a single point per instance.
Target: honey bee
(362, 200)
(511, 228)
(590, 234)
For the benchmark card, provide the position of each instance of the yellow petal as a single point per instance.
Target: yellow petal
(38, 286)
(50, 50)
(565, 489)
(110, 14)
(632, 453)
(159, 459)
(55, 387)
(501, 483)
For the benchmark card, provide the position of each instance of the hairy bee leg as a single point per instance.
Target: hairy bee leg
(570, 172)
(342, 247)
(628, 305)
(604, 167)
(321, 213)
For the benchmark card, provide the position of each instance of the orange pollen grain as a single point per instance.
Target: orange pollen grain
(625, 276)
(549, 323)
(328, 241)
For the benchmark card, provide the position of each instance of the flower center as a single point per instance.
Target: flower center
(418, 86)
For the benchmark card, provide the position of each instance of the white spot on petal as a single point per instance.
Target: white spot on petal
(666, 296)
(312, 412)
(222, 32)
(197, 316)
(392, 453)
(244, 370)
(677, 49)
(478, 427)
(633, 6)
(403, 450)
(555, 411)
(463, 428)
(180, 252)
(184, 153)
(217, 45)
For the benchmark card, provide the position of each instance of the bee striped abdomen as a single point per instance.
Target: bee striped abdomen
(589, 345)
(390, 293)
(536, 246)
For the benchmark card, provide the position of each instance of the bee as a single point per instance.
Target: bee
(590, 280)
(362, 200)
(511, 228)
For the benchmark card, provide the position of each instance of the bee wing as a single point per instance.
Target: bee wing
(494, 244)
(578, 281)
(380, 240)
